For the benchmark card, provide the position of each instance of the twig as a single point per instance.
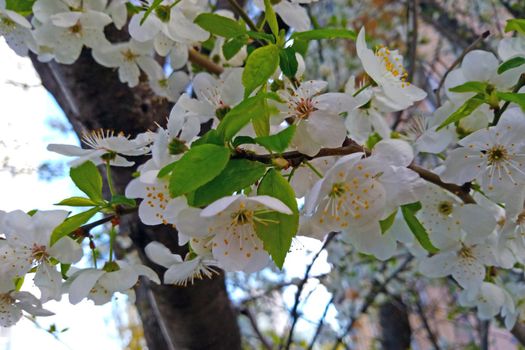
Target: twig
(246, 312)
(458, 61)
(484, 329)
(203, 61)
(295, 158)
(320, 325)
(376, 289)
(294, 313)
(240, 12)
(424, 319)
(414, 6)
(499, 111)
(84, 230)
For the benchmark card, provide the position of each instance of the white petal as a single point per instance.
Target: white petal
(272, 203)
(66, 250)
(82, 284)
(161, 255)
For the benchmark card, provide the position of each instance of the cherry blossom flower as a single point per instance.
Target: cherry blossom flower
(29, 245)
(15, 29)
(100, 285)
(489, 299)
(386, 70)
(180, 271)
(231, 221)
(12, 305)
(494, 156)
(104, 144)
(128, 58)
(316, 116)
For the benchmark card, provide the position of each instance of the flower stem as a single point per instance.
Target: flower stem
(112, 236)
(109, 179)
(362, 88)
(314, 169)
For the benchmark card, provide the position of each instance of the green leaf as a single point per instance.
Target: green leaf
(515, 24)
(72, 223)
(288, 62)
(234, 45)
(471, 86)
(22, 7)
(210, 137)
(301, 46)
(511, 64)
(123, 201)
(219, 25)
(387, 223)
(243, 140)
(517, 98)
(238, 174)
(87, 178)
(269, 38)
(464, 111)
(78, 202)
(261, 119)
(271, 18)
(241, 115)
(154, 5)
(419, 231)
(277, 237)
(317, 34)
(260, 66)
(64, 268)
(278, 142)
(198, 166)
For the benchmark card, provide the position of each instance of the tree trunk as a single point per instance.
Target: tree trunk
(396, 333)
(92, 97)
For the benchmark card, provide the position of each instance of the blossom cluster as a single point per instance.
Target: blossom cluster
(276, 137)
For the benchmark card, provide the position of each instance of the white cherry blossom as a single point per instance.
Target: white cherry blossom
(15, 29)
(104, 144)
(386, 70)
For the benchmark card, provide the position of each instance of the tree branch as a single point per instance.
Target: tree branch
(457, 62)
(203, 61)
(265, 342)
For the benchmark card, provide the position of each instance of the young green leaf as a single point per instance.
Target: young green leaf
(234, 45)
(87, 178)
(22, 7)
(72, 223)
(198, 166)
(419, 231)
(260, 66)
(387, 223)
(241, 115)
(278, 232)
(511, 64)
(153, 7)
(278, 142)
(517, 25)
(78, 202)
(327, 33)
(271, 18)
(517, 98)
(243, 140)
(238, 174)
(288, 62)
(471, 86)
(269, 38)
(211, 137)
(123, 201)
(464, 111)
(220, 25)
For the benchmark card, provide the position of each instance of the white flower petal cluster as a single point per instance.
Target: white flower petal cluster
(105, 145)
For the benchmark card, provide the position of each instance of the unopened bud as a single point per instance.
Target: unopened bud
(177, 146)
(280, 163)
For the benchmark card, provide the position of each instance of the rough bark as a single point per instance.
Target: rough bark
(92, 97)
(396, 333)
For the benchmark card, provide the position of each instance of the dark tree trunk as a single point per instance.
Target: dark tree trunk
(92, 97)
(396, 333)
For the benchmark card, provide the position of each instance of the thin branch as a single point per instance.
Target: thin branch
(203, 61)
(241, 13)
(484, 330)
(295, 158)
(431, 336)
(320, 325)
(84, 230)
(412, 53)
(457, 62)
(253, 322)
(294, 313)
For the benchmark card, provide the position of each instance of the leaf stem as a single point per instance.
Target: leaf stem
(109, 178)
